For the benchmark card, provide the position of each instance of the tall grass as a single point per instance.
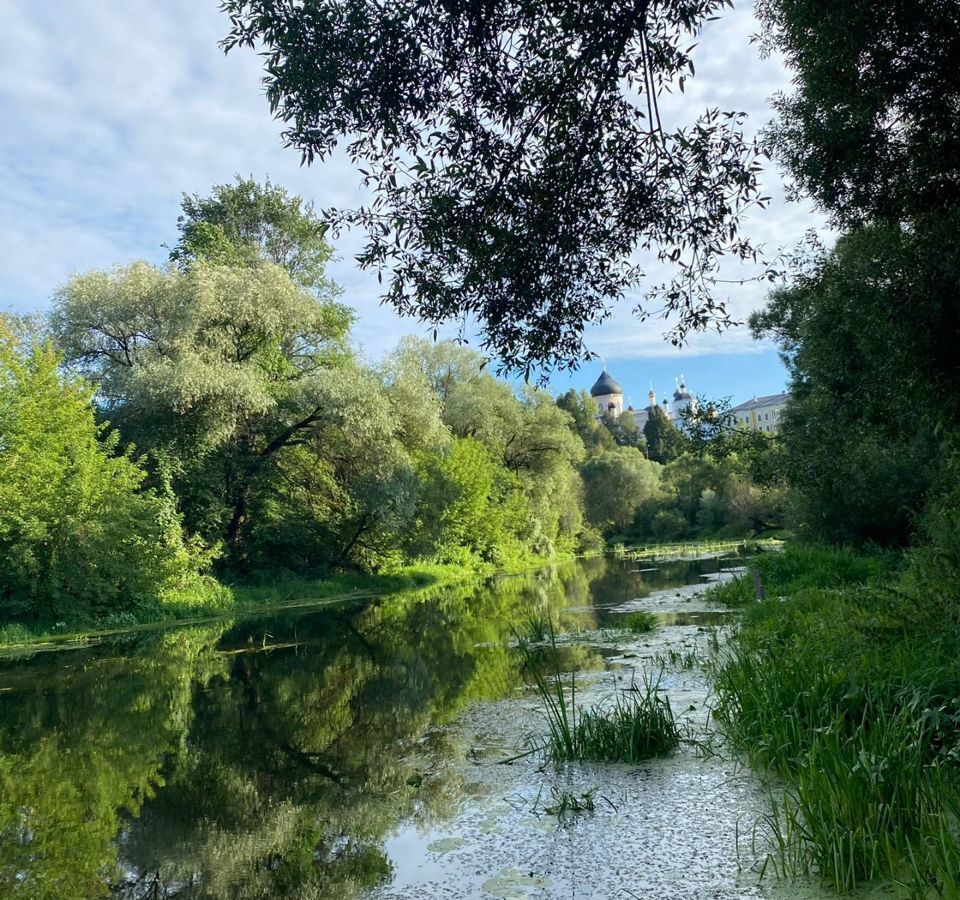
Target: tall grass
(640, 622)
(638, 725)
(803, 566)
(850, 698)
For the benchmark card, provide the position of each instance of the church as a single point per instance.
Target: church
(608, 395)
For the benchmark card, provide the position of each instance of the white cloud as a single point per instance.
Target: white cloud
(109, 112)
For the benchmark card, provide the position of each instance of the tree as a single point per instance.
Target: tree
(616, 484)
(869, 331)
(688, 480)
(623, 429)
(78, 536)
(580, 407)
(870, 390)
(342, 494)
(870, 130)
(664, 441)
(245, 223)
(525, 433)
(515, 155)
(216, 370)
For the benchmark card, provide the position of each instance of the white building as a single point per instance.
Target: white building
(608, 396)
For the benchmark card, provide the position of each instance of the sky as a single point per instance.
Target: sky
(110, 113)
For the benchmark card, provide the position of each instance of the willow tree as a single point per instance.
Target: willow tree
(216, 370)
(514, 155)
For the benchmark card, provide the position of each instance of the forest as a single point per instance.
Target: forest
(172, 433)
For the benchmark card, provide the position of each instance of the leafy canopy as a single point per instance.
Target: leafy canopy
(78, 536)
(870, 130)
(617, 483)
(514, 155)
(244, 223)
(216, 369)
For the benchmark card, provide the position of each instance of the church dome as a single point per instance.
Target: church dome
(605, 385)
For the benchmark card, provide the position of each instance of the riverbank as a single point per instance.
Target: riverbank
(218, 600)
(224, 601)
(844, 683)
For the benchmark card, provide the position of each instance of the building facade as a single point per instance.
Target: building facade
(761, 413)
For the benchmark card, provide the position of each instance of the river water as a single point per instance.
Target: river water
(364, 752)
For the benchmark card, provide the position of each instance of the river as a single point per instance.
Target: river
(363, 752)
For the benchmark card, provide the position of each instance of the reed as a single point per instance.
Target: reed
(638, 724)
(851, 700)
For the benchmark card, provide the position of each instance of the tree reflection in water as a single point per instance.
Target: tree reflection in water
(268, 758)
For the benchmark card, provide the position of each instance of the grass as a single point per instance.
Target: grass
(638, 725)
(639, 622)
(678, 660)
(850, 697)
(804, 566)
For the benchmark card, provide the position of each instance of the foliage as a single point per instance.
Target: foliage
(870, 128)
(214, 370)
(639, 725)
(848, 692)
(869, 331)
(664, 440)
(581, 408)
(511, 176)
(78, 535)
(527, 437)
(615, 484)
(863, 334)
(245, 223)
(624, 430)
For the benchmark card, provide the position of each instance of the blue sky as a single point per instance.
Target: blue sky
(110, 112)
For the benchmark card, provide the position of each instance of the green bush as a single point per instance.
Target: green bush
(79, 538)
(668, 525)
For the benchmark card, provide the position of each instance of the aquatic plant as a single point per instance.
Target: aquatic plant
(678, 660)
(637, 725)
(639, 622)
(566, 804)
(537, 628)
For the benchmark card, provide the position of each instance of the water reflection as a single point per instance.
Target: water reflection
(269, 757)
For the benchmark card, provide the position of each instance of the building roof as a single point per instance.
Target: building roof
(761, 402)
(605, 385)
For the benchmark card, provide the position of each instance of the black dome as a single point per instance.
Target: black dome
(605, 385)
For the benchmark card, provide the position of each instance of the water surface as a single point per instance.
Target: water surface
(359, 753)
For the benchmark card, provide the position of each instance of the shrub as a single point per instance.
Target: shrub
(79, 538)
